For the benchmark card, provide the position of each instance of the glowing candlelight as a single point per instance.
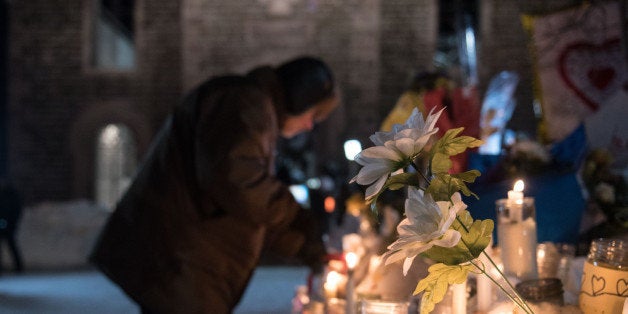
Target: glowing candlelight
(331, 284)
(352, 260)
(516, 232)
(515, 200)
(516, 194)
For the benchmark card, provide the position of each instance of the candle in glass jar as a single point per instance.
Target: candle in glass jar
(459, 298)
(351, 260)
(516, 232)
(518, 241)
(604, 287)
(484, 284)
(331, 284)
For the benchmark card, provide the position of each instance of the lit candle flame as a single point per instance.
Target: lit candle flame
(518, 186)
(333, 278)
(351, 259)
(331, 284)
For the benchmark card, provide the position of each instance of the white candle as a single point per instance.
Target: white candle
(518, 248)
(517, 237)
(516, 194)
(503, 308)
(515, 201)
(484, 285)
(352, 260)
(331, 284)
(459, 298)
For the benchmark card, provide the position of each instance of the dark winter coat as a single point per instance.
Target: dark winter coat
(188, 233)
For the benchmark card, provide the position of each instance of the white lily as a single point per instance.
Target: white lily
(394, 150)
(426, 224)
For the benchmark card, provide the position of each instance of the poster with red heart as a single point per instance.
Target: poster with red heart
(578, 61)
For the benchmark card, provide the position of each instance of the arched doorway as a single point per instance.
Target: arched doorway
(116, 161)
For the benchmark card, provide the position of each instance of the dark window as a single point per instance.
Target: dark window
(113, 42)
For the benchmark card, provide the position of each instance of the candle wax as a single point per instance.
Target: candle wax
(484, 285)
(518, 248)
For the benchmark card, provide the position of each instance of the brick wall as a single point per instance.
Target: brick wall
(409, 30)
(57, 104)
(54, 94)
(234, 36)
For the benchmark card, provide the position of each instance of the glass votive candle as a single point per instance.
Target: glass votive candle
(516, 236)
(384, 307)
(545, 293)
(605, 277)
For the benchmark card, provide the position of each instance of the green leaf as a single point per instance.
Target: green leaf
(448, 145)
(443, 185)
(400, 180)
(440, 163)
(476, 234)
(451, 144)
(434, 286)
(449, 255)
(475, 237)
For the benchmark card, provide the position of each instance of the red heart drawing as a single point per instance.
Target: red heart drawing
(593, 72)
(600, 78)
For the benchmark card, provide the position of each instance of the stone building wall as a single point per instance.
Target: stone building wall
(410, 33)
(57, 103)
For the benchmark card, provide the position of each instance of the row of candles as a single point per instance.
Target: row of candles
(335, 279)
(517, 236)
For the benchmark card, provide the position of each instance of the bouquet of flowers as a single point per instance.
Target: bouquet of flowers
(436, 224)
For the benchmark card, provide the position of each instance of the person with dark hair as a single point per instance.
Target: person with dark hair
(10, 214)
(188, 233)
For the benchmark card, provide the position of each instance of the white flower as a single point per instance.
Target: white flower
(394, 150)
(426, 224)
(378, 162)
(414, 129)
(531, 149)
(605, 192)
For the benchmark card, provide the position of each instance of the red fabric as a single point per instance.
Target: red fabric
(462, 109)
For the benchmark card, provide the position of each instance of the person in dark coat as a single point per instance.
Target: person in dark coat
(188, 233)
(10, 214)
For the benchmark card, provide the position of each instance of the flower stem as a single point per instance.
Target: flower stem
(418, 170)
(527, 308)
(517, 300)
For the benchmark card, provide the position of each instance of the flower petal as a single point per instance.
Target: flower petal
(372, 171)
(449, 239)
(382, 152)
(372, 190)
(407, 263)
